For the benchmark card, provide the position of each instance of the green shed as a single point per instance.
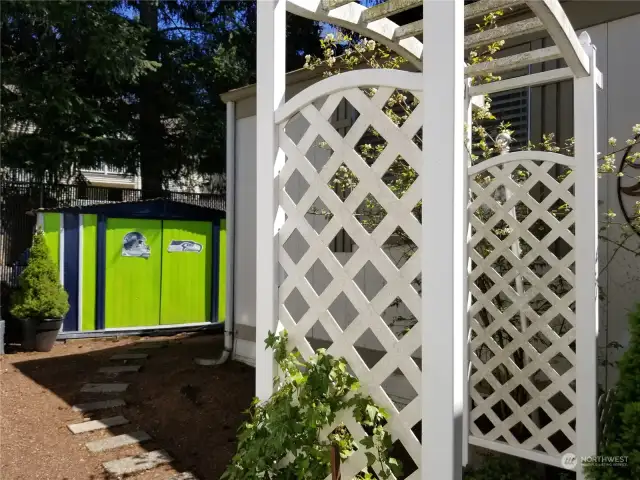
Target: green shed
(136, 266)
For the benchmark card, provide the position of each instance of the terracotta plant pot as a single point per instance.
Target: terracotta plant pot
(40, 335)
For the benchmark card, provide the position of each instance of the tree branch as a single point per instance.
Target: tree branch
(187, 29)
(619, 246)
(635, 142)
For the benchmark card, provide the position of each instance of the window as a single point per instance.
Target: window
(513, 107)
(510, 107)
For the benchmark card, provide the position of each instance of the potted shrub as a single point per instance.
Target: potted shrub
(40, 301)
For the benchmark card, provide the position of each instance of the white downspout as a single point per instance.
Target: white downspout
(230, 223)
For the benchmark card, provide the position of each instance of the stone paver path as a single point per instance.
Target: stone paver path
(138, 463)
(120, 369)
(118, 441)
(99, 405)
(129, 465)
(93, 425)
(104, 387)
(183, 476)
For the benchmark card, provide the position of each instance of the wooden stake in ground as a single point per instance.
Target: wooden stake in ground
(335, 463)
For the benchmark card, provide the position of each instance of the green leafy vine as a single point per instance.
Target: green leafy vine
(282, 437)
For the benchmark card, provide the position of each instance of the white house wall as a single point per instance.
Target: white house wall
(551, 111)
(622, 105)
(245, 238)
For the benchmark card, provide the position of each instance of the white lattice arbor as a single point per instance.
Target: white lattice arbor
(522, 316)
(506, 322)
(398, 352)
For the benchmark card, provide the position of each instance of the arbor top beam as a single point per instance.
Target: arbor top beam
(373, 22)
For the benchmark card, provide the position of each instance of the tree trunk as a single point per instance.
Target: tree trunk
(151, 128)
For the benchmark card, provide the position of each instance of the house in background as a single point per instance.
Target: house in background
(613, 27)
(104, 174)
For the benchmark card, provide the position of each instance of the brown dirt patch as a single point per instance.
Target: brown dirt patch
(190, 411)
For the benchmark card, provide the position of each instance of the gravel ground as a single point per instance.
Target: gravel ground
(192, 412)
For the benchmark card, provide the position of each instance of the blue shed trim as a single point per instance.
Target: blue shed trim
(161, 271)
(156, 209)
(70, 269)
(215, 273)
(101, 251)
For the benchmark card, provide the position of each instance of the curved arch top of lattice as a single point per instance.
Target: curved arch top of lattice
(373, 77)
(397, 350)
(522, 313)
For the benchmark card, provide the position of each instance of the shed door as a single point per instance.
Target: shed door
(133, 272)
(187, 249)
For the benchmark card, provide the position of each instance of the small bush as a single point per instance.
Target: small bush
(281, 439)
(40, 294)
(622, 438)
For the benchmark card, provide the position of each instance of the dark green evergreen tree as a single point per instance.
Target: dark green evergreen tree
(135, 84)
(64, 66)
(622, 435)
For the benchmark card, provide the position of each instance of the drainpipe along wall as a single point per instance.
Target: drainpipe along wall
(230, 224)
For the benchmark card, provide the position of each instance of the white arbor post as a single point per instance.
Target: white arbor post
(443, 252)
(271, 38)
(466, 268)
(586, 151)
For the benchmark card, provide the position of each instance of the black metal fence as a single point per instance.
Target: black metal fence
(18, 198)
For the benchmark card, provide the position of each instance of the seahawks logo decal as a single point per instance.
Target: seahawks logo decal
(134, 244)
(184, 246)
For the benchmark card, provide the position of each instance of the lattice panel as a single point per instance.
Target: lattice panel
(522, 314)
(304, 247)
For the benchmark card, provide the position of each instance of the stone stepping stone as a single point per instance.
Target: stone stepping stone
(104, 387)
(120, 369)
(139, 463)
(184, 476)
(130, 356)
(208, 362)
(91, 406)
(93, 425)
(118, 441)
